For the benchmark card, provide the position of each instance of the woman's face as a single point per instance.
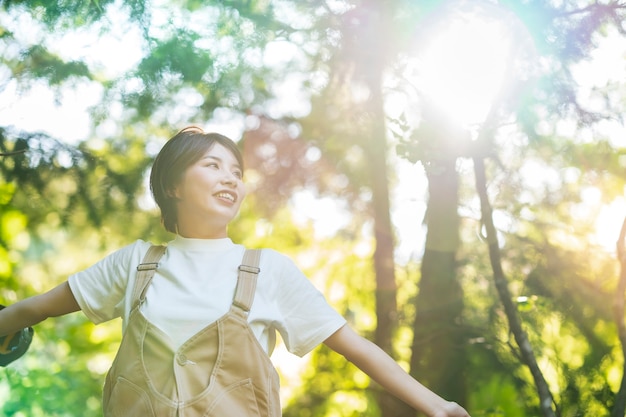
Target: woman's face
(209, 194)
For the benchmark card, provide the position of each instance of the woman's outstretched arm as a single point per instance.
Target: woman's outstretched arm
(30, 311)
(385, 371)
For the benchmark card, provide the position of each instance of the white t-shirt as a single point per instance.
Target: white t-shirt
(194, 286)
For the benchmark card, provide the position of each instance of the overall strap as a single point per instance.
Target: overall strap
(246, 282)
(145, 272)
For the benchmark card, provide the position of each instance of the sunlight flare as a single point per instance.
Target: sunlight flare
(463, 64)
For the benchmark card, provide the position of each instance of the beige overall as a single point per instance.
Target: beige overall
(221, 371)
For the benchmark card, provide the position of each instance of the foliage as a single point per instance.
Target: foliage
(64, 205)
(545, 220)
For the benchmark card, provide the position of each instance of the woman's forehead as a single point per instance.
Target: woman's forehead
(219, 152)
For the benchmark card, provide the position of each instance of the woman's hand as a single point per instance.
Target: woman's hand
(451, 409)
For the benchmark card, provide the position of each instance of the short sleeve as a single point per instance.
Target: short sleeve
(101, 289)
(308, 319)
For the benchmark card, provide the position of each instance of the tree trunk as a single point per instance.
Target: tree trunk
(369, 65)
(438, 357)
(619, 407)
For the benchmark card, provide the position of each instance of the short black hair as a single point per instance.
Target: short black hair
(179, 153)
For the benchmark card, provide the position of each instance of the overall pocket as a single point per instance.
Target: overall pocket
(235, 400)
(128, 400)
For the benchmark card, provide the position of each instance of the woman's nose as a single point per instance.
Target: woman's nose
(229, 179)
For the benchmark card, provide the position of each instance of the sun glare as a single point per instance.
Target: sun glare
(462, 65)
(609, 224)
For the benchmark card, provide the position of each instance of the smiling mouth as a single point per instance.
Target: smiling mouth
(227, 196)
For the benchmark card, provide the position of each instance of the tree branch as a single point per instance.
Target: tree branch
(546, 400)
(12, 153)
(528, 357)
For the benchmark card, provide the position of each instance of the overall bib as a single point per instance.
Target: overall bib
(221, 371)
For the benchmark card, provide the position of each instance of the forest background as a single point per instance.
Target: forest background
(470, 250)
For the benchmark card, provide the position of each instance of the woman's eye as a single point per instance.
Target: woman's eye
(238, 174)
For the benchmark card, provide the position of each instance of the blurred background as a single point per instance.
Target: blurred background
(451, 174)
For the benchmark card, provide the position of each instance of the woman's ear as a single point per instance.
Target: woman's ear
(173, 193)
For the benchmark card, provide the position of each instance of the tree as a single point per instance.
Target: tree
(563, 35)
(85, 199)
(207, 59)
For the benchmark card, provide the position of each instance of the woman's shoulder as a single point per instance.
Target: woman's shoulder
(279, 263)
(131, 253)
(138, 247)
(274, 256)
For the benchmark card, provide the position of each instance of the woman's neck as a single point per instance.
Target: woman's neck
(200, 232)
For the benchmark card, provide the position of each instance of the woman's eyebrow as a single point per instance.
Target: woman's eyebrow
(218, 159)
(212, 157)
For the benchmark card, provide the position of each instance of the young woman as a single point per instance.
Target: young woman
(200, 315)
